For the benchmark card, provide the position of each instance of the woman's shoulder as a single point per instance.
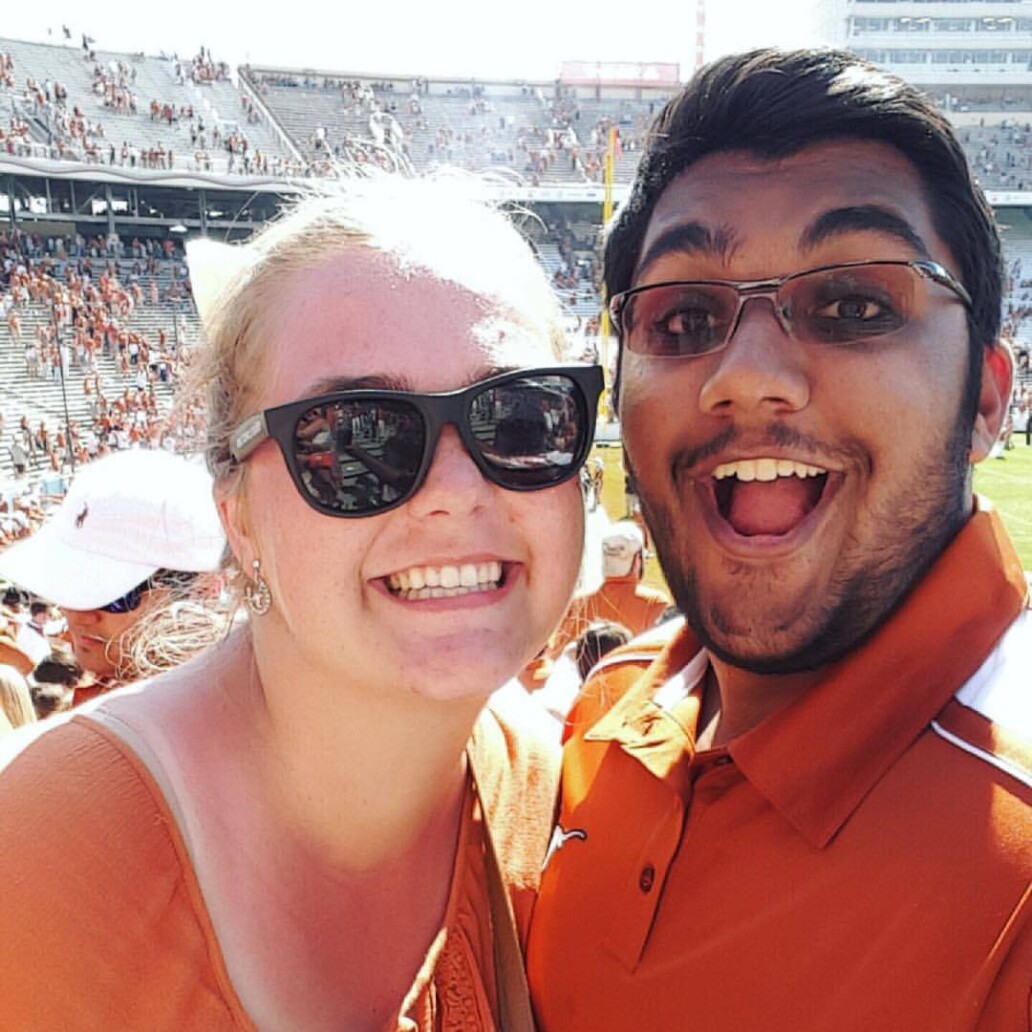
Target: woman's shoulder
(517, 741)
(95, 881)
(516, 757)
(81, 819)
(63, 776)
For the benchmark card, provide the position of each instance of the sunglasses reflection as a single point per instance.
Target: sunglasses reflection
(361, 455)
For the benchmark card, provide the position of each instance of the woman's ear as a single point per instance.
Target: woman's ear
(993, 399)
(231, 502)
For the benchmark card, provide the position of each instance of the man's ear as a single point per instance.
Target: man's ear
(993, 399)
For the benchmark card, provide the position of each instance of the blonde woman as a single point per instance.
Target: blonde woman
(318, 824)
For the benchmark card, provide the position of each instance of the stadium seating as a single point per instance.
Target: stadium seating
(160, 113)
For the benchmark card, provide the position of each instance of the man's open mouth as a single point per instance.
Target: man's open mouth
(767, 496)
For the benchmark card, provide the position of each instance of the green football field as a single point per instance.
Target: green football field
(1007, 481)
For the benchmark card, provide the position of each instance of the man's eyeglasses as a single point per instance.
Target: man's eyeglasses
(131, 600)
(360, 452)
(832, 305)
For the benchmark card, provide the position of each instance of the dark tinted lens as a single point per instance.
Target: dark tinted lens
(842, 306)
(128, 602)
(679, 319)
(359, 456)
(531, 430)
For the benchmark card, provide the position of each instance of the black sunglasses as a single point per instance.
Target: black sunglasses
(134, 596)
(129, 601)
(359, 452)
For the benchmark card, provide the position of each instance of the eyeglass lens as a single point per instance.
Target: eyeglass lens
(363, 454)
(827, 306)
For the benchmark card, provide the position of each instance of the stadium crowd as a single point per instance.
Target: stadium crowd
(66, 306)
(545, 133)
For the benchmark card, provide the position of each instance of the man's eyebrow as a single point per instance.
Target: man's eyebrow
(688, 238)
(862, 217)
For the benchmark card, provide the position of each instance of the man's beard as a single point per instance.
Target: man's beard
(857, 601)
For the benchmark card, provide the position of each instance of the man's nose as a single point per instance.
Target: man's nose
(761, 369)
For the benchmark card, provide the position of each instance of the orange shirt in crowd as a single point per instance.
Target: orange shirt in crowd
(861, 860)
(103, 924)
(622, 600)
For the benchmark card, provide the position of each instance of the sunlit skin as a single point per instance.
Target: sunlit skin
(357, 316)
(881, 416)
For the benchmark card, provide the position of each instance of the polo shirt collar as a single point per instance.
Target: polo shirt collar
(816, 759)
(659, 737)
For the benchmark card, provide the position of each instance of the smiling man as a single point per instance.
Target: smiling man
(810, 808)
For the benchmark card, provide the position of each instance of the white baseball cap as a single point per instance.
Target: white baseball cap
(125, 517)
(620, 544)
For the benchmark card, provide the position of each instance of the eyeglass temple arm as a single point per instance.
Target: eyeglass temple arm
(936, 272)
(247, 436)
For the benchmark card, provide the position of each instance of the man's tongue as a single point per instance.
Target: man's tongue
(771, 507)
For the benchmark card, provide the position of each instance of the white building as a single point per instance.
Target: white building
(970, 54)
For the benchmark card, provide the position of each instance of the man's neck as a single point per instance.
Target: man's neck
(736, 700)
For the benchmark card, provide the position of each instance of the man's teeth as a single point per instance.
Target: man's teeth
(766, 469)
(421, 582)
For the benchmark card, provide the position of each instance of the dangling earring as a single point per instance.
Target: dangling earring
(256, 592)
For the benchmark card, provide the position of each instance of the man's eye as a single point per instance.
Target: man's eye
(851, 317)
(854, 309)
(687, 321)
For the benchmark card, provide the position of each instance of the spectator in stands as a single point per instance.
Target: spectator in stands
(131, 526)
(596, 641)
(10, 653)
(623, 597)
(337, 875)
(34, 634)
(53, 683)
(15, 699)
(19, 455)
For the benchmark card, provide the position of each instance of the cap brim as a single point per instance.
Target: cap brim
(69, 577)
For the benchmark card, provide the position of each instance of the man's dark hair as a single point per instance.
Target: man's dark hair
(773, 104)
(39, 609)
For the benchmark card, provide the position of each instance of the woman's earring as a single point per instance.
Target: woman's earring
(256, 592)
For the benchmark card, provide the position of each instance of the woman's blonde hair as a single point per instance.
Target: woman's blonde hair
(435, 226)
(15, 699)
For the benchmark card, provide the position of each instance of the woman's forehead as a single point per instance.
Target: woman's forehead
(362, 312)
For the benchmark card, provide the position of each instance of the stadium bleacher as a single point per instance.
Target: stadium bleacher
(135, 115)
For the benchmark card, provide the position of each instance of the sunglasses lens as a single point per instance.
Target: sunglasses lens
(849, 304)
(356, 456)
(359, 456)
(128, 602)
(678, 320)
(530, 431)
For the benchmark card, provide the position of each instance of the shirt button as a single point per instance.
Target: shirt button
(646, 878)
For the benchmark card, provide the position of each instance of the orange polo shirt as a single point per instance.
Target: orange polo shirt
(859, 861)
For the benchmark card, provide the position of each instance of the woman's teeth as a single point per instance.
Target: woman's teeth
(420, 582)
